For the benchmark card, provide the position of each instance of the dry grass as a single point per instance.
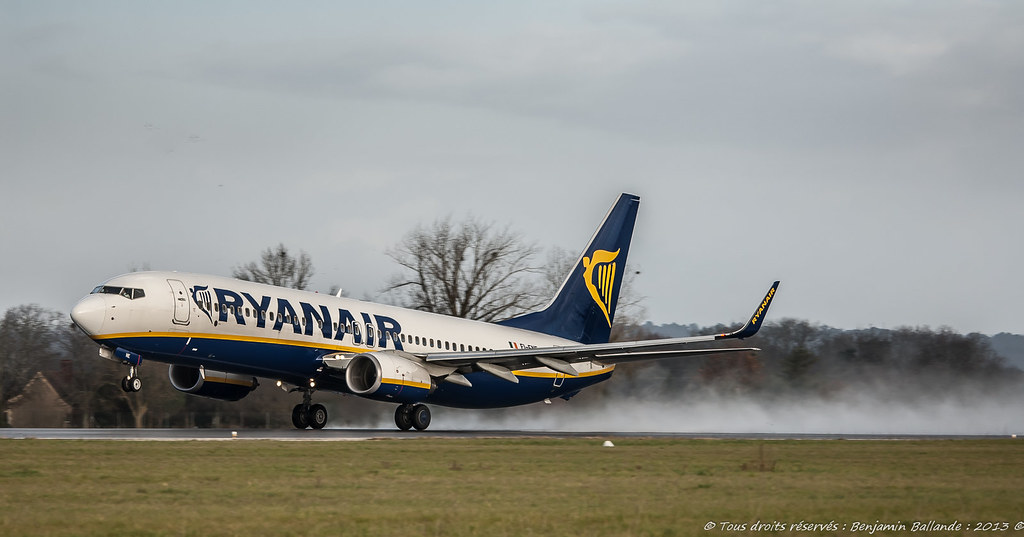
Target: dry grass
(544, 487)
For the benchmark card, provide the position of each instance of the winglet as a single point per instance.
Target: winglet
(756, 320)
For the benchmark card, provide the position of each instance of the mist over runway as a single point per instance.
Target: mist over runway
(327, 435)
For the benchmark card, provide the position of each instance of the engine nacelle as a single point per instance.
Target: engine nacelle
(387, 377)
(208, 383)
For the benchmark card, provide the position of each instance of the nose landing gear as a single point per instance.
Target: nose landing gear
(132, 383)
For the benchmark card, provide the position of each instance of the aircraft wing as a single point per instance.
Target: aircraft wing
(502, 362)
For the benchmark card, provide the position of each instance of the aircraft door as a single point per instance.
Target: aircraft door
(180, 296)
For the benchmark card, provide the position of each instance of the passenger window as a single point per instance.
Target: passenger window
(462, 348)
(431, 343)
(271, 314)
(446, 346)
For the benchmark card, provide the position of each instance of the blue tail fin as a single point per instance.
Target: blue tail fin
(584, 307)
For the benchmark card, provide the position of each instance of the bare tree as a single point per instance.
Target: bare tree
(82, 372)
(278, 267)
(27, 333)
(467, 269)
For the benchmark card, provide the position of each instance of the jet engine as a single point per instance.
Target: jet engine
(387, 377)
(208, 383)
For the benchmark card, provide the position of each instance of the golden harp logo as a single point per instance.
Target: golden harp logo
(599, 275)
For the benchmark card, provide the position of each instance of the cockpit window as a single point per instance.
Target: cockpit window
(130, 293)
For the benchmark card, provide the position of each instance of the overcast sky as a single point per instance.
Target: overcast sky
(868, 154)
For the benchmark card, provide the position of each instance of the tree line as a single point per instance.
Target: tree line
(799, 358)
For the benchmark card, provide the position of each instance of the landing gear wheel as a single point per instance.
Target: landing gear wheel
(317, 416)
(403, 417)
(299, 417)
(131, 384)
(420, 417)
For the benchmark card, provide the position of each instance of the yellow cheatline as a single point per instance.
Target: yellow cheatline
(227, 337)
(226, 380)
(540, 374)
(401, 382)
(320, 345)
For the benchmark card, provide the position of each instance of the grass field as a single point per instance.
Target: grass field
(546, 487)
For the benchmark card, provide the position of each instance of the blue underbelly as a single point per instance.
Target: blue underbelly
(489, 391)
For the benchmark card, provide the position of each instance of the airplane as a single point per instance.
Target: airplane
(219, 335)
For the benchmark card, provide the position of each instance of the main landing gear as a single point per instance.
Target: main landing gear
(131, 383)
(306, 414)
(408, 416)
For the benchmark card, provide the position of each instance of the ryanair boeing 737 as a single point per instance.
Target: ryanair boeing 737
(220, 334)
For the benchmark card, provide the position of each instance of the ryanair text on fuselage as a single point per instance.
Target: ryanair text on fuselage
(232, 305)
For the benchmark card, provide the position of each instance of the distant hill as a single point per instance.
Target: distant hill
(1009, 346)
(672, 330)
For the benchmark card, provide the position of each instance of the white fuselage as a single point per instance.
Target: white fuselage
(283, 334)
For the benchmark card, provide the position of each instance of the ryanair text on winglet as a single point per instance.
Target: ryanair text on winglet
(761, 308)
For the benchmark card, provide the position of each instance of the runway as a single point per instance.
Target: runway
(387, 434)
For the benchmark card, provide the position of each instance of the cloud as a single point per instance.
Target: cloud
(896, 54)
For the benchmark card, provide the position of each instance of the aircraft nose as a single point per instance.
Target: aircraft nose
(88, 314)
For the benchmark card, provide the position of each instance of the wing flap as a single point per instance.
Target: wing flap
(658, 355)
